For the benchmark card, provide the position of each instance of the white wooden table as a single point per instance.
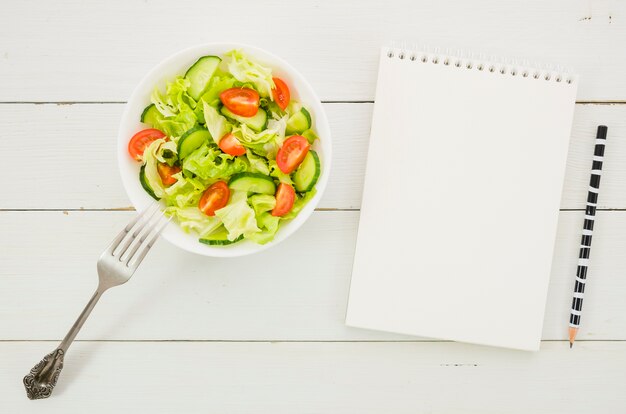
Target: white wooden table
(265, 334)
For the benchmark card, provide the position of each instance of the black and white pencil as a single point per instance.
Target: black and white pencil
(585, 241)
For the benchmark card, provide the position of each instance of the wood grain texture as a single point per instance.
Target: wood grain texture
(47, 273)
(71, 50)
(63, 157)
(69, 151)
(322, 378)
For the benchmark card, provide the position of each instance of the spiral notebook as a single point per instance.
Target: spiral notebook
(461, 199)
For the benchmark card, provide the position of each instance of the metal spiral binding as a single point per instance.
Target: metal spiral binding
(479, 62)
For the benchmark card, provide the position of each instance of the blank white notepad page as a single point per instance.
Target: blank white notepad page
(461, 199)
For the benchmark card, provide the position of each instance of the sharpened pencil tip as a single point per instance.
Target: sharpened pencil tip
(572, 336)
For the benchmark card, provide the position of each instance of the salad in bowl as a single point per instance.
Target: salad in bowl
(231, 151)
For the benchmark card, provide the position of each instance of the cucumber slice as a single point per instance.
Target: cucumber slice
(144, 182)
(310, 136)
(252, 183)
(257, 122)
(307, 173)
(219, 238)
(151, 115)
(192, 140)
(299, 122)
(200, 73)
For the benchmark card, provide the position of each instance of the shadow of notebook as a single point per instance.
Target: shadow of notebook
(461, 199)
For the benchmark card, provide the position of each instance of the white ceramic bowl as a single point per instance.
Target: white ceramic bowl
(177, 64)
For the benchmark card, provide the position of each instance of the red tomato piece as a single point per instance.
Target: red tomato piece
(241, 101)
(281, 93)
(231, 145)
(214, 198)
(291, 154)
(285, 197)
(166, 172)
(141, 140)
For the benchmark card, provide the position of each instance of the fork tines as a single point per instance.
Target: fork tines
(131, 242)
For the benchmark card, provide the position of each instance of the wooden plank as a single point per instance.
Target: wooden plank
(296, 291)
(69, 153)
(72, 160)
(322, 377)
(71, 51)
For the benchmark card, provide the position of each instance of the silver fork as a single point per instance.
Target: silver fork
(115, 267)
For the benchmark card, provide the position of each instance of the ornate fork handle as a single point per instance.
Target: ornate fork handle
(43, 377)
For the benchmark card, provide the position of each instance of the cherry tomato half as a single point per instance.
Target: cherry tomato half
(281, 93)
(166, 172)
(285, 197)
(142, 139)
(231, 145)
(214, 198)
(241, 101)
(291, 154)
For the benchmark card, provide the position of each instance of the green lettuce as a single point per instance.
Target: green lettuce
(184, 192)
(268, 225)
(208, 162)
(167, 153)
(176, 106)
(265, 143)
(257, 164)
(238, 218)
(299, 204)
(217, 124)
(261, 203)
(151, 172)
(178, 124)
(247, 136)
(247, 71)
(175, 100)
(192, 219)
(277, 173)
(182, 200)
(217, 85)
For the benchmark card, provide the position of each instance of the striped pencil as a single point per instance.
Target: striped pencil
(585, 241)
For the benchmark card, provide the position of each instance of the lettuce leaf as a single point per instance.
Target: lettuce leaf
(247, 71)
(238, 218)
(184, 192)
(268, 225)
(277, 173)
(247, 136)
(192, 219)
(182, 200)
(262, 202)
(151, 172)
(217, 124)
(177, 125)
(217, 85)
(167, 153)
(265, 143)
(175, 100)
(208, 162)
(299, 204)
(176, 106)
(257, 164)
